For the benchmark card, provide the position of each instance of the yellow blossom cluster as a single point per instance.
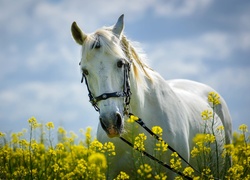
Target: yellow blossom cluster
(122, 176)
(157, 130)
(160, 145)
(88, 159)
(145, 171)
(206, 115)
(50, 125)
(243, 128)
(175, 161)
(35, 154)
(235, 156)
(132, 118)
(202, 142)
(33, 123)
(214, 98)
(36, 158)
(239, 151)
(139, 142)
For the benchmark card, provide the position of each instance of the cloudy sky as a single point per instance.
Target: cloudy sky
(202, 40)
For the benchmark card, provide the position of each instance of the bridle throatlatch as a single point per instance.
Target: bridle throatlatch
(126, 93)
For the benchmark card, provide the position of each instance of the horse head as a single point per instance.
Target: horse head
(105, 68)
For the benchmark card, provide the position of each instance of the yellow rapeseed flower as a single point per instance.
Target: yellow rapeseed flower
(60, 146)
(204, 138)
(243, 128)
(235, 172)
(195, 152)
(139, 142)
(52, 152)
(157, 130)
(61, 130)
(55, 167)
(2, 134)
(132, 118)
(34, 146)
(188, 171)
(98, 159)
(33, 123)
(161, 146)
(145, 171)
(32, 120)
(50, 125)
(109, 148)
(161, 176)
(24, 143)
(202, 142)
(207, 115)
(175, 162)
(14, 138)
(206, 172)
(220, 128)
(81, 167)
(122, 176)
(96, 145)
(214, 98)
(88, 135)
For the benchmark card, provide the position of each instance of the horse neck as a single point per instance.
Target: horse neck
(149, 95)
(147, 86)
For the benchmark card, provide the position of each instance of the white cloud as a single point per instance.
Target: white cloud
(233, 78)
(35, 16)
(12, 17)
(181, 8)
(187, 57)
(210, 45)
(49, 101)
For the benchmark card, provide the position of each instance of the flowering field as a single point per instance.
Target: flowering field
(46, 152)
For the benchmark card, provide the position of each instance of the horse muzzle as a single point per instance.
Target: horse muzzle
(112, 124)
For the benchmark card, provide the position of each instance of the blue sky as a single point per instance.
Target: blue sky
(202, 40)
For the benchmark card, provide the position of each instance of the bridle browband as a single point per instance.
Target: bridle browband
(126, 92)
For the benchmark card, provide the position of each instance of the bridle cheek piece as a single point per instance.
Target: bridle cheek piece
(126, 93)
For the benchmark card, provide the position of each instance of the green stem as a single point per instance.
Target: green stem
(30, 154)
(216, 144)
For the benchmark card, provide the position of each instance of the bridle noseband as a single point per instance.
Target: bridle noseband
(126, 93)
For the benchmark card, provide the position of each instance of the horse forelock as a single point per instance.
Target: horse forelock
(123, 49)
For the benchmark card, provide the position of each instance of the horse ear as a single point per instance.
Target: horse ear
(118, 27)
(77, 34)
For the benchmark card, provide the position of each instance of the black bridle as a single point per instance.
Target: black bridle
(126, 92)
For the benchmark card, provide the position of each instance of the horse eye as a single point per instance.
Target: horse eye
(85, 72)
(120, 63)
(97, 45)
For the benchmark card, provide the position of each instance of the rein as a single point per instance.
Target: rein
(142, 124)
(155, 159)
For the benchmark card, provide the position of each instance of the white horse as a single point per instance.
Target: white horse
(174, 105)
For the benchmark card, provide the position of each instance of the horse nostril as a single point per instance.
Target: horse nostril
(118, 120)
(102, 124)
